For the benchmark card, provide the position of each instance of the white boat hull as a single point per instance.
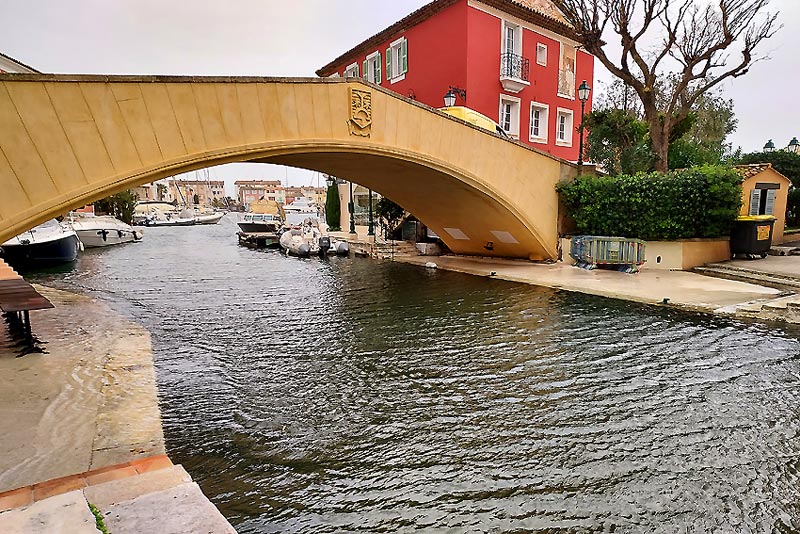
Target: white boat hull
(103, 231)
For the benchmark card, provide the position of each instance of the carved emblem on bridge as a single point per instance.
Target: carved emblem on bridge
(360, 112)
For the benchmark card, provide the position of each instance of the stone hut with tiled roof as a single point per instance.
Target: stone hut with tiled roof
(765, 191)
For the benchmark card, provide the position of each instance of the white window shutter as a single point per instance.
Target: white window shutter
(770, 208)
(755, 201)
(389, 74)
(404, 56)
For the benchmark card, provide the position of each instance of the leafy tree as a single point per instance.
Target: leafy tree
(120, 205)
(333, 207)
(697, 37)
(618, 142)
(389, 212)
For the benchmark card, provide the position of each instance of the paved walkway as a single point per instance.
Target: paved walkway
(681, 289)
(147, 495)
(88, 405)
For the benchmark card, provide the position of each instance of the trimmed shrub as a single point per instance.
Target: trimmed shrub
(697, 202)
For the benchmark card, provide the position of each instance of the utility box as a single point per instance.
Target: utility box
(619, 253)
(752, 235)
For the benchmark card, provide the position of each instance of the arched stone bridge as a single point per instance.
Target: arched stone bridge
(68, 140)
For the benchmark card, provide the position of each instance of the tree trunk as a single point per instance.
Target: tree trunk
(660, 139)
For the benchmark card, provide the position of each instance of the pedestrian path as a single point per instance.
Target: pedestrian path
(147, 495)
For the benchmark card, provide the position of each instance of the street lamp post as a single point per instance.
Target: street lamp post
(794, 145)
(769, 147)
(351, 208)
(371, 230)
(583, 95)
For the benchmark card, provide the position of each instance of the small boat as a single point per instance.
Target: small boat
(307, 240)
(47, 244)
(207, 218)
(102, 230)
(338, 247)
(302, 241)
(154, 213)
(260, 223)
(170, 218)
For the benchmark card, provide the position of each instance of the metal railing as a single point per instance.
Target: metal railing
(514, 66)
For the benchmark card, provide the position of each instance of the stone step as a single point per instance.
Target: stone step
(785, 309)
(727, 272)
(150, 495)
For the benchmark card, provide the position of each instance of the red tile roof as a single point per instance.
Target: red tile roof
(542, 13)
(748, 171)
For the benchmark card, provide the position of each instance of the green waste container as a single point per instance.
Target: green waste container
(752, 235)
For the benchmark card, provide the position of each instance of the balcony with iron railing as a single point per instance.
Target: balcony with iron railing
(514, 72)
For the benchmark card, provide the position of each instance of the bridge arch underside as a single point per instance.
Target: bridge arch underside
(470, 218)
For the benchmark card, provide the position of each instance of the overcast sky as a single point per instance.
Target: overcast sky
(294, 38)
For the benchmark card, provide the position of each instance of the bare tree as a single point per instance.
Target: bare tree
(693, 35)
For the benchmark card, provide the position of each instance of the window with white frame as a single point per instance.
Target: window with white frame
(541, 54)
(351, 71)
(397, 60)
(512, 38)
(564, 127)
(539, 117)
(509, 115)
(372, 68)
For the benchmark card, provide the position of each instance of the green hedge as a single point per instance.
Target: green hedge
(698, 202)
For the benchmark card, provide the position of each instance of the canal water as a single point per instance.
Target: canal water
(354, 396)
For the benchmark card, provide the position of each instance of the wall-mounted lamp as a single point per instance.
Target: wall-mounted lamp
(450, 96)
(489, 245)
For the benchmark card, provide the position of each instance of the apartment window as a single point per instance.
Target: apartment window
(512, 38)
(351, 71)
(397, 60)
(372, 68)
(564, 127)
(509, 115)
(539, 116)
(541, 54)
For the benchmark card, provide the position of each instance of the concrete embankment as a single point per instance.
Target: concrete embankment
(679, 289)
(80, 423)
(88, 402)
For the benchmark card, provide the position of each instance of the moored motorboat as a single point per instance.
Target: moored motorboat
(302, 241)
(207, 218)
(47, 244)
(262, 225)
(102, 230)
(307, 240)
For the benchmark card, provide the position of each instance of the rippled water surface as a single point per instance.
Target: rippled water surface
(355, 396)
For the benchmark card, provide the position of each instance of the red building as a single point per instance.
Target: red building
(511, 60)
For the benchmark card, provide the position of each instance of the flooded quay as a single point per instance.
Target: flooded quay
(349, 395)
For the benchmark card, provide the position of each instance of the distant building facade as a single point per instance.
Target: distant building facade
(200, 192)
(248, 191)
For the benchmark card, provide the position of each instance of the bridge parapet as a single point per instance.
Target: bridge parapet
(68, 140)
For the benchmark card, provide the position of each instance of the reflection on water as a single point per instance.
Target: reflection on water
(354, 396)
